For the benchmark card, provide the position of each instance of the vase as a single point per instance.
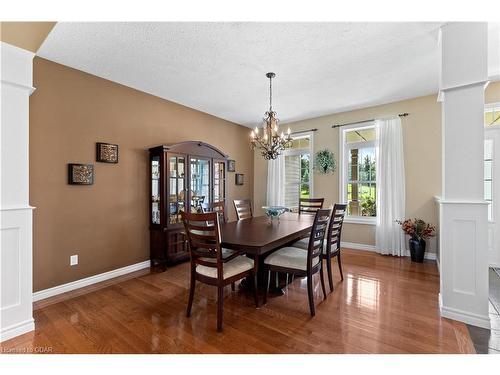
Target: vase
(417, 250)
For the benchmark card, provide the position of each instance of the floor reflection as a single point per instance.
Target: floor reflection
(363, 292)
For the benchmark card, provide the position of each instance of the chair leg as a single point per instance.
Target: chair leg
(255, 291)
(329, 271)
(340, 266)
(322, 281)
(220, 306)
(277, 279)
(191, 293)
(267, 282)
(233, 288)
(310, 294)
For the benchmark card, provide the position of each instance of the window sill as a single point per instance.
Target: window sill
(360, 220)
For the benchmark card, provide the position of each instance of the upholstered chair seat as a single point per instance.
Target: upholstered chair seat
(304, 243)
(290, 257)
(233, 267)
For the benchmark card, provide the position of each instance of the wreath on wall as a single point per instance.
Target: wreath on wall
(324, 162)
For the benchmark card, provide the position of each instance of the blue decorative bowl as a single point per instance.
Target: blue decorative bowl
(273, 212)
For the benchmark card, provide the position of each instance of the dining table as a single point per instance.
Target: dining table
(259, 236)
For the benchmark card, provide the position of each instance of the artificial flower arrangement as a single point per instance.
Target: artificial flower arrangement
(417, 228)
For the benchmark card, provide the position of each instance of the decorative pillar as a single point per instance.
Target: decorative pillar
(463, 211)
(16, 286)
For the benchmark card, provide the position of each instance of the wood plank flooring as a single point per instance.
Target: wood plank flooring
(384, 305)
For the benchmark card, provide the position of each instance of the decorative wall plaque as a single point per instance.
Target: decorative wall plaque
(80, 174)
(239, 179)
(106, 152)
(231, 166)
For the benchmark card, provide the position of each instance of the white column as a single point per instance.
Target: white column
(16, 286)
(463, 211)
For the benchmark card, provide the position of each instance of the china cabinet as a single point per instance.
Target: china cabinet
(184, 176)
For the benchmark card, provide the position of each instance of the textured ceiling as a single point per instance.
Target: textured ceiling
(219, 68)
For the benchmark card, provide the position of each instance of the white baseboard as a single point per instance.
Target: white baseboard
(17, 329)
(365, 247)
(358, 246)
(46, 293)
(464, 316)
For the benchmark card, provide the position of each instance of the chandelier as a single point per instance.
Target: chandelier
(271, 142)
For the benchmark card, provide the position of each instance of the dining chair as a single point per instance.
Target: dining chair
(302, 263)
(220, 208)
(310, 205)
(209, 263)
(243, 208)
(332, 244)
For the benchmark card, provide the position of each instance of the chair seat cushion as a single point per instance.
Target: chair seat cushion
(233, 267)
(290, 257)
(304, 244)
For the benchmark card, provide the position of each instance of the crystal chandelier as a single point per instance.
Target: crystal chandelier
(271, 142)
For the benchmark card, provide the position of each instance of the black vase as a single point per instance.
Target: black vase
(417, 250)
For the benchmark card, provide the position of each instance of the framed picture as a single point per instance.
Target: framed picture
(106, 152)
(231, 166)
(239, 179)
(80, 174)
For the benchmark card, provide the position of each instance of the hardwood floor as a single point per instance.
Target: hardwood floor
(384, 305)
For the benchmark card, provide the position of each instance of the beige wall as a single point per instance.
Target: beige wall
(26, 35)
(422, 148)
(106, 223)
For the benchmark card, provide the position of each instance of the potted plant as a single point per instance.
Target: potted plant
(419, 231)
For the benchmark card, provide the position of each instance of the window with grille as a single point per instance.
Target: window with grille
(298, 170)
(359, 181)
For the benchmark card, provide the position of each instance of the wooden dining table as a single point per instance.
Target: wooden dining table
(259, 236)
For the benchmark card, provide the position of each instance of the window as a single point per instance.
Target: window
(492, 114)
(358, 182)
(298, 170)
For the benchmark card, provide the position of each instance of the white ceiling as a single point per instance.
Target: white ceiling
(219, 68)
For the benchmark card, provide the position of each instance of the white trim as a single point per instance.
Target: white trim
(464, 316)
(437, 264)
(427, 255)
(358, 246)
(372, 248)
(46, 293)
(17, 208)
(466, 84)
(17, 329)
(365, 220)
(30, 89)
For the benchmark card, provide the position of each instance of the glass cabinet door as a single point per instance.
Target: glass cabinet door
(177, 192)
(200, 183)
(219, 180)
(155, 189)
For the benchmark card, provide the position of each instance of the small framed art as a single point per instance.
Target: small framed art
(80, 174)
(106, 152)
(231, 165)
(239, 179)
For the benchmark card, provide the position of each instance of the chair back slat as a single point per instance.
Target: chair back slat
(220, 208)
(310, 205)
(317, 236)
(243, 208)
(204, 238)
(335, 227)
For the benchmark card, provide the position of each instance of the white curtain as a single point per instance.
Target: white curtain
(390, 187)
(276, 181)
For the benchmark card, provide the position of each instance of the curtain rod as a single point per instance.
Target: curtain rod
(304, 131)
(373, 119)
